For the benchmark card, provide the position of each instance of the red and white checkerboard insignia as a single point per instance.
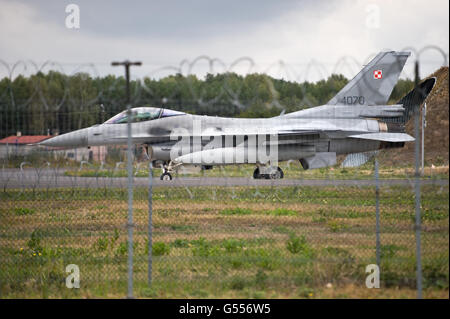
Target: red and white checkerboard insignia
(377, 74)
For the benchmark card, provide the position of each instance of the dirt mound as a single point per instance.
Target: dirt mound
(436, 131)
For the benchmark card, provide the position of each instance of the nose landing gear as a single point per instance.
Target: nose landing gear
(166, 176)
(168, 169)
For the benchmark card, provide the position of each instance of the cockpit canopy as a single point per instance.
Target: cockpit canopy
(141, 114)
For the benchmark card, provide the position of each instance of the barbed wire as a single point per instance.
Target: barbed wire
(80, 92)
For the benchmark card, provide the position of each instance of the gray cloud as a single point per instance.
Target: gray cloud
(167, 19)
(164, 33)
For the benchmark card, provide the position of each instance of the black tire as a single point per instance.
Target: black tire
(165, 177)
(256, 174)
(281, 172)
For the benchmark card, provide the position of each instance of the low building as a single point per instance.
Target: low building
(18, 145)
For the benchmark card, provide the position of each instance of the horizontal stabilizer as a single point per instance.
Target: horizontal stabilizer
(385, 137)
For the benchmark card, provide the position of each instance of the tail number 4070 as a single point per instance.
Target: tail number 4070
(353, 100)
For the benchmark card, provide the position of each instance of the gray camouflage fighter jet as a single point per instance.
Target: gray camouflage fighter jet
(356, 121)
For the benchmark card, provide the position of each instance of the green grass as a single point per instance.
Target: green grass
(236, 211)
(288, 242)
(336, 226)
(23, 211)
(389, 251)
(299, 245)
(282, 212)
(159, 249)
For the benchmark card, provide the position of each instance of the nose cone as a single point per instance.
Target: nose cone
(77, 138)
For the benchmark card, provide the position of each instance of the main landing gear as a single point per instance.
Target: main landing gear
(168, 170)
(271, 172)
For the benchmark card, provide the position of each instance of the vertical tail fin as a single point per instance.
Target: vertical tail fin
(374, 83)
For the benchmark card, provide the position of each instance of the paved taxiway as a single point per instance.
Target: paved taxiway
(50, 178)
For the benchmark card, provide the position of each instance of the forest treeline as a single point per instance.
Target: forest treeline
(55, 102)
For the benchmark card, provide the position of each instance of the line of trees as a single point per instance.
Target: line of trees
(55, 102)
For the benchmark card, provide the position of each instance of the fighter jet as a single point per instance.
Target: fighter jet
(355, 121)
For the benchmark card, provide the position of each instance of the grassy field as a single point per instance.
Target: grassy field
(217, 242)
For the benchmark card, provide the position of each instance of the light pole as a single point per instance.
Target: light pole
(417, 225)
(127, 65)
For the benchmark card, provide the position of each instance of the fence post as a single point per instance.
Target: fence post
(150, 221)
(377, 211)
(130, 225)
(417, 188)
(130, 207)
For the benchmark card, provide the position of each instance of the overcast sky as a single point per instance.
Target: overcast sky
(310, 37)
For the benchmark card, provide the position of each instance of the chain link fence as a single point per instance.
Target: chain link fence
(207, 233)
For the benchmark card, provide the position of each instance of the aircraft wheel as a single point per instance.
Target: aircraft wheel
(166, 177)
(278, 174)
(281, 172)
(256, 174)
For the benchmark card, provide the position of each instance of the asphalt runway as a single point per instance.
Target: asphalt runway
(51, 178)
